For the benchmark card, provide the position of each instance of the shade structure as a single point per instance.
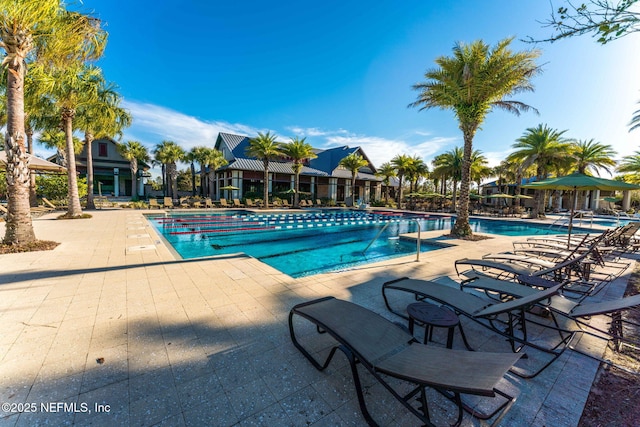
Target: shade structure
(35, 163)
(500, 196)
(580, 182)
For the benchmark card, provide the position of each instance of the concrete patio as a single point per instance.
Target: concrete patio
(111, 329)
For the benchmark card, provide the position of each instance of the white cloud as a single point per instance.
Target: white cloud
(380, 150)
(153, 124)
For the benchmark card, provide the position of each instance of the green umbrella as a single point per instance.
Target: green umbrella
(580, 182)
(229, 187)
(523, 196)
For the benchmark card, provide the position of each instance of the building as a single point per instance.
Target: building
(111, 171)
(320, 178)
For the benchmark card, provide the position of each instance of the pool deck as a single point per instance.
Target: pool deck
(111, 318)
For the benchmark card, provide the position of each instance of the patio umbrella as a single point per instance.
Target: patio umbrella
(523, 196)
(500, 196)
(229, 188)
(579, 182)
(35, 163)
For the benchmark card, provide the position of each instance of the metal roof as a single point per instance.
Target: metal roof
(277, 167)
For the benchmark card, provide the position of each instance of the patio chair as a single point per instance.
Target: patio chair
(387, 350)
(319, 203)
(579, 312)
(208, 203)
(184, 202)
(3, 211)
(249, 203)
(153, 203)
(237, 204)
(50, 205)
(167, 203)
(285, 204)
(502, 318)
(223, 203)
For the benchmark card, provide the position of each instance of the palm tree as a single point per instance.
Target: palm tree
(57, 140)
(198, 154)
(168, 153)
(134, 152)
(386, 171)
(401, 162)
(631, 164)
(591, 156)
(547, 150)
(100, 118)
(265, 147)
(471, 83)
(479, 167)
(298, 150)
(212, 159)
(635, 121)
(71, 89)
(449, 165)
(417, 170)
(353, 162)
(58, 36)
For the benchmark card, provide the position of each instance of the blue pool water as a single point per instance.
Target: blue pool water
(314, 242)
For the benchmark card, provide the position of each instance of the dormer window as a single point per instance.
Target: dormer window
(102, 149)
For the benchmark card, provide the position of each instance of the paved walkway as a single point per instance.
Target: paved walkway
(110, 329)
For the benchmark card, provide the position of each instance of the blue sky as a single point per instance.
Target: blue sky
(340, 73)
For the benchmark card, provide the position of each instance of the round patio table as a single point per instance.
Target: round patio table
(432, 316)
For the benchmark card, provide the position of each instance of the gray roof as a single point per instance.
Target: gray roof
(277, 167)
(326, 164)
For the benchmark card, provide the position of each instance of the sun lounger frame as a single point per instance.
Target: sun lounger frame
(393, 363)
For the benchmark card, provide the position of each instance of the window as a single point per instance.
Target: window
(102, 149)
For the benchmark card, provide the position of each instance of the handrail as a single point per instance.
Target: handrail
(376, 237)
(385, 227)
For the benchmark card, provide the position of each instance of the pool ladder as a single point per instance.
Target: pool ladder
(382, 231)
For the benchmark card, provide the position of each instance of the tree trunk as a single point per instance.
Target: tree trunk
(461, 228)
(88, 144)
(74, 209)
(203, 180)
(33, 197)
(193, 180)
(18, 227)
(211, 178)
(265, 187)
(134, 179)
(296, 195)
(173, 179)
(400, 190)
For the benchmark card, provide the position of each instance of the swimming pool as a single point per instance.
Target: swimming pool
(303, 244)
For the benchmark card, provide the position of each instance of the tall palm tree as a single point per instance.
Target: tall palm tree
(386, 171)
(472, 82)
(213, 160)
(449, 165)
(57, 35)
(168, 153)
(631, 164)
(401, 162)
(70, 89)
(545, 148)
(416, 171)
(134, 152)
(353, 162)
(198, 155)
(590, 156)
(298, 150)
(190, 157)
(479, 167)
(57, 140)
(100, 118)
(265, 147)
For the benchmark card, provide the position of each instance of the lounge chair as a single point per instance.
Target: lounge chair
(168, 203)
(3, 210)
(184, 202)
(249, 203)
(223, 203)
(387, 350)
(237, 204)
(285, 204)
(50, 205)
(579, 312)
(208, 203)
(153, 203)
(503, 318)
(319, 203)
